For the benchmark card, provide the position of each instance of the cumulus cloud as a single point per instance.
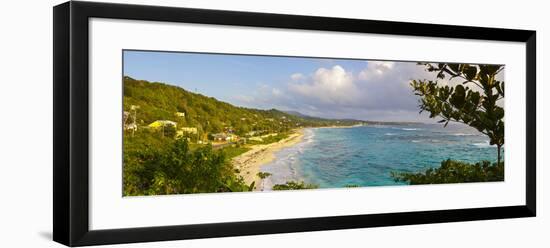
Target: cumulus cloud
(376, 68)
(379, 86)
(378, 91)
(385, 85)
(327, 86)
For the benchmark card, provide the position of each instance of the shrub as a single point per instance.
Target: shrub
(263, 175)
(291, 185)
(454, 172)
(176, 169)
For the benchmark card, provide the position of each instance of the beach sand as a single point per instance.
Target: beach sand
(250, 162)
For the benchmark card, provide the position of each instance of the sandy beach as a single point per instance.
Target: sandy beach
(250, 162)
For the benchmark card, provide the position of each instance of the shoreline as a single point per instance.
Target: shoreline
(250, 162)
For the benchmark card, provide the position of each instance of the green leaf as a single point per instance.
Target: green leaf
(470, 72)
(499, 113)
(457, 99)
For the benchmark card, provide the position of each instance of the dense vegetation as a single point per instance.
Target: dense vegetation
(155, 166)
(474, 102)
(455, 172)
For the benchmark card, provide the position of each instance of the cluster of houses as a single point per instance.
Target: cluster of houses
(180, 132)
(226, 136)
(229, 137)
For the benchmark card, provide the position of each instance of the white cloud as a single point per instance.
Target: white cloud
(328, 86)
(380, 88)
(376, 69)
(297, 76)
(379, 91)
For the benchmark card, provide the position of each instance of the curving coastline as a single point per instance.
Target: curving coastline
(250, 162)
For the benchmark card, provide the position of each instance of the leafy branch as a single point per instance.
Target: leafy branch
(462, 104)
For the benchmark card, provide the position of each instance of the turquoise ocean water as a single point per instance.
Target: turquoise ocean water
(366, 155)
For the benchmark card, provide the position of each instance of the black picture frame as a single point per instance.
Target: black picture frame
(71, 123)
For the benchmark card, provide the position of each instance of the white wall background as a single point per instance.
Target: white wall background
(26, 124)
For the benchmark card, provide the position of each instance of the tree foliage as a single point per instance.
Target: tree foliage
(473, 101)
(160, 166)
(455, 172)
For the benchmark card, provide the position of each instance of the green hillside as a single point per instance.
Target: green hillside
(158, 101)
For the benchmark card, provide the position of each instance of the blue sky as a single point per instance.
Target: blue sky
(329, 88)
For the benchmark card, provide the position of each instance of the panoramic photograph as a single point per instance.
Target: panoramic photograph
(212, 123)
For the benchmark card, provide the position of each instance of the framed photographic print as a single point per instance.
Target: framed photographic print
(176, 123)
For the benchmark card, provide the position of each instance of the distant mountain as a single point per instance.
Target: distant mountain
(296, 113)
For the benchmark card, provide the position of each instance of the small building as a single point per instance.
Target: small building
(131, 126)
(185, 130)
(192, 130)
(162, 123)
(180, 114)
